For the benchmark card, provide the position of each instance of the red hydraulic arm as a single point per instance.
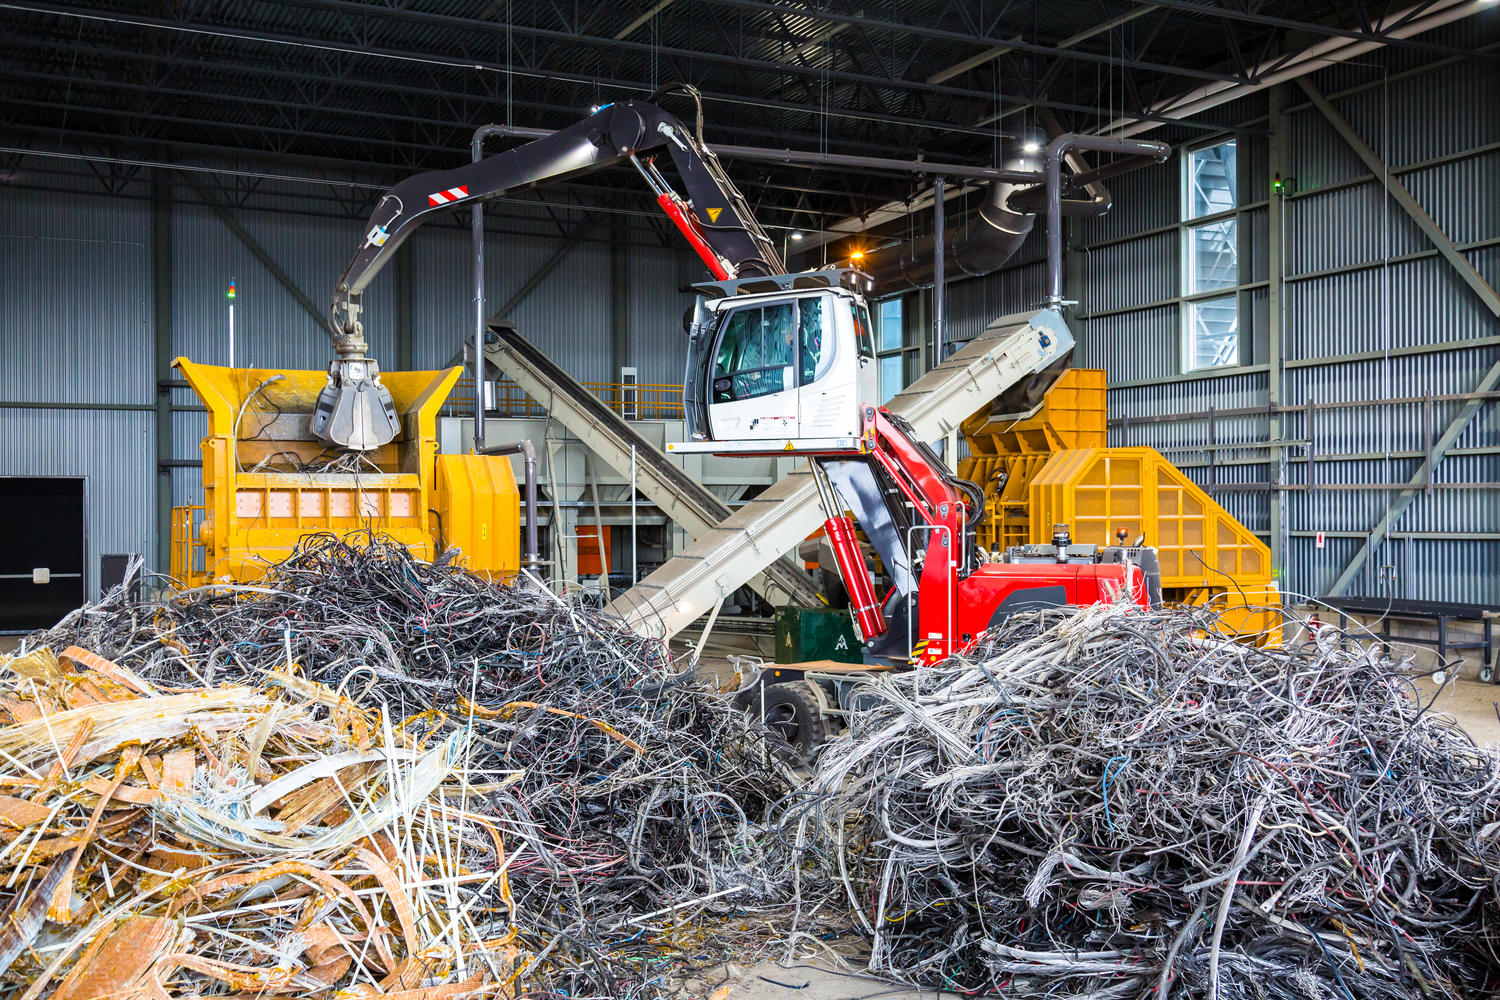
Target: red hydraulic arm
(956, 602)
(839, 531)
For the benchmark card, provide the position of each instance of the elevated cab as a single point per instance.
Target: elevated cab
(779, 364)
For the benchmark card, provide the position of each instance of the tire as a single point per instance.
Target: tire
(793, 711)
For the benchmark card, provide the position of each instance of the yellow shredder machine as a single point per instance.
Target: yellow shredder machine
(1052, 466)
(268, 483)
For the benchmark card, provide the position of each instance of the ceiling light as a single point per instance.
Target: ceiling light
(796, 236)
(857, 255)
(1031, 146)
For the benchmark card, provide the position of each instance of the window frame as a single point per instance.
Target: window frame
(1189, 300)
(721, 327)
(908, 352)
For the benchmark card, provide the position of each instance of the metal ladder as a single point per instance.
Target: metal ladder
(1010, 350)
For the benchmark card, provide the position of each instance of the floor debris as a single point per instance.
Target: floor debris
(372, 777)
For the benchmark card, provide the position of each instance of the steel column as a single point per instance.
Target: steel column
(1276, 219)
(939, 279)
(161, 306)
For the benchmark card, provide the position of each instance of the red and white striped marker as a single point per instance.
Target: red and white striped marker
(444, 197)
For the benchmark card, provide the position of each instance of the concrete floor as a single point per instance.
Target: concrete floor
(816, 980)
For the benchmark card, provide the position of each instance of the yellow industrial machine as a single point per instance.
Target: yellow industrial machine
(268, 481)
(1054, 467)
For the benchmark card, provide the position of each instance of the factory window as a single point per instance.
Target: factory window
(891, 339)
(755, 352)
(1210, 258)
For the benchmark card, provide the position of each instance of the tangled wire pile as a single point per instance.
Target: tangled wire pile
(635, 811)
(1122, 804)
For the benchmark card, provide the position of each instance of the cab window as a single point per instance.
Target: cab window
(815, 339)
(863, 336)
(755, 354)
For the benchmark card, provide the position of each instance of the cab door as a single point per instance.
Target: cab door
(753, 373)
(835, 362)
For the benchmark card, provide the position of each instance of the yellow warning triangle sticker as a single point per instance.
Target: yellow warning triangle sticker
(713, 214)
(789, 446)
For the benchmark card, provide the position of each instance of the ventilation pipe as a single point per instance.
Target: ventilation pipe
(1057, 150)
(1002, 223)
(992, 237)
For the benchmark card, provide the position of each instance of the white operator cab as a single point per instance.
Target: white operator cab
(781, 363)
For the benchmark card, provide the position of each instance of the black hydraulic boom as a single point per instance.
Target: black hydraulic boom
(354, 411)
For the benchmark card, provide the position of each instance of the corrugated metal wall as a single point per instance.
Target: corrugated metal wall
(1360, 278)
(75, 327)
(77, 321)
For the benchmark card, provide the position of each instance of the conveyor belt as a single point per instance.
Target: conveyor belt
(608, 435)
(1008, 352)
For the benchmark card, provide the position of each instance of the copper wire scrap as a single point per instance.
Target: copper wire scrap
(1109, 802)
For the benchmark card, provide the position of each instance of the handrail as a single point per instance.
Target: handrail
(644, 401)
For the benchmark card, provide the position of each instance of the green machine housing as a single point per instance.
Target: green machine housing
(807, 634)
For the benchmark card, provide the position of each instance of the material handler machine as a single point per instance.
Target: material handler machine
(778, 364)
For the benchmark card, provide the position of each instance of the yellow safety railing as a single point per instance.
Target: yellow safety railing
(187, 550)
(633, 402)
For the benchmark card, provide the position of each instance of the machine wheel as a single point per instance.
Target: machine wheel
(794, 712)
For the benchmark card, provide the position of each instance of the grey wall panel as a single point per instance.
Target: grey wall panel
(113, 449)
(1347, 225)
(1255, 259)
(1315, 154)
(271, 329)
(657, 342)
(1134, 273)
(1222, 392)
(1401, 305)
(1143, 199)
(1435, 114)
(75, 299)
(1433, 569)
(1460, 195)
(442, 285)
(568, 314)
(974, 303)
(1358, 430)
(1131, 346)
(188, 429)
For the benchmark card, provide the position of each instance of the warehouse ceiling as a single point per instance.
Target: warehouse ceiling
(332, 88)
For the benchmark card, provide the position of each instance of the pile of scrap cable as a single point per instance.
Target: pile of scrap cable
(272, 840)
(1120, 803)
(630, 796)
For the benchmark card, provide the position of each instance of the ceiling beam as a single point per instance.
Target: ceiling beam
(945, 34)
(1364, 33)
(629, 29)
(467, 65)
(973, 62)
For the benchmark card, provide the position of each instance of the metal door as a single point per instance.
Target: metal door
(42, 550)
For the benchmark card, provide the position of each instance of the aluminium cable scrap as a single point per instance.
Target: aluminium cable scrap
(637, 821)
(1120, 803)
(233, 840)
